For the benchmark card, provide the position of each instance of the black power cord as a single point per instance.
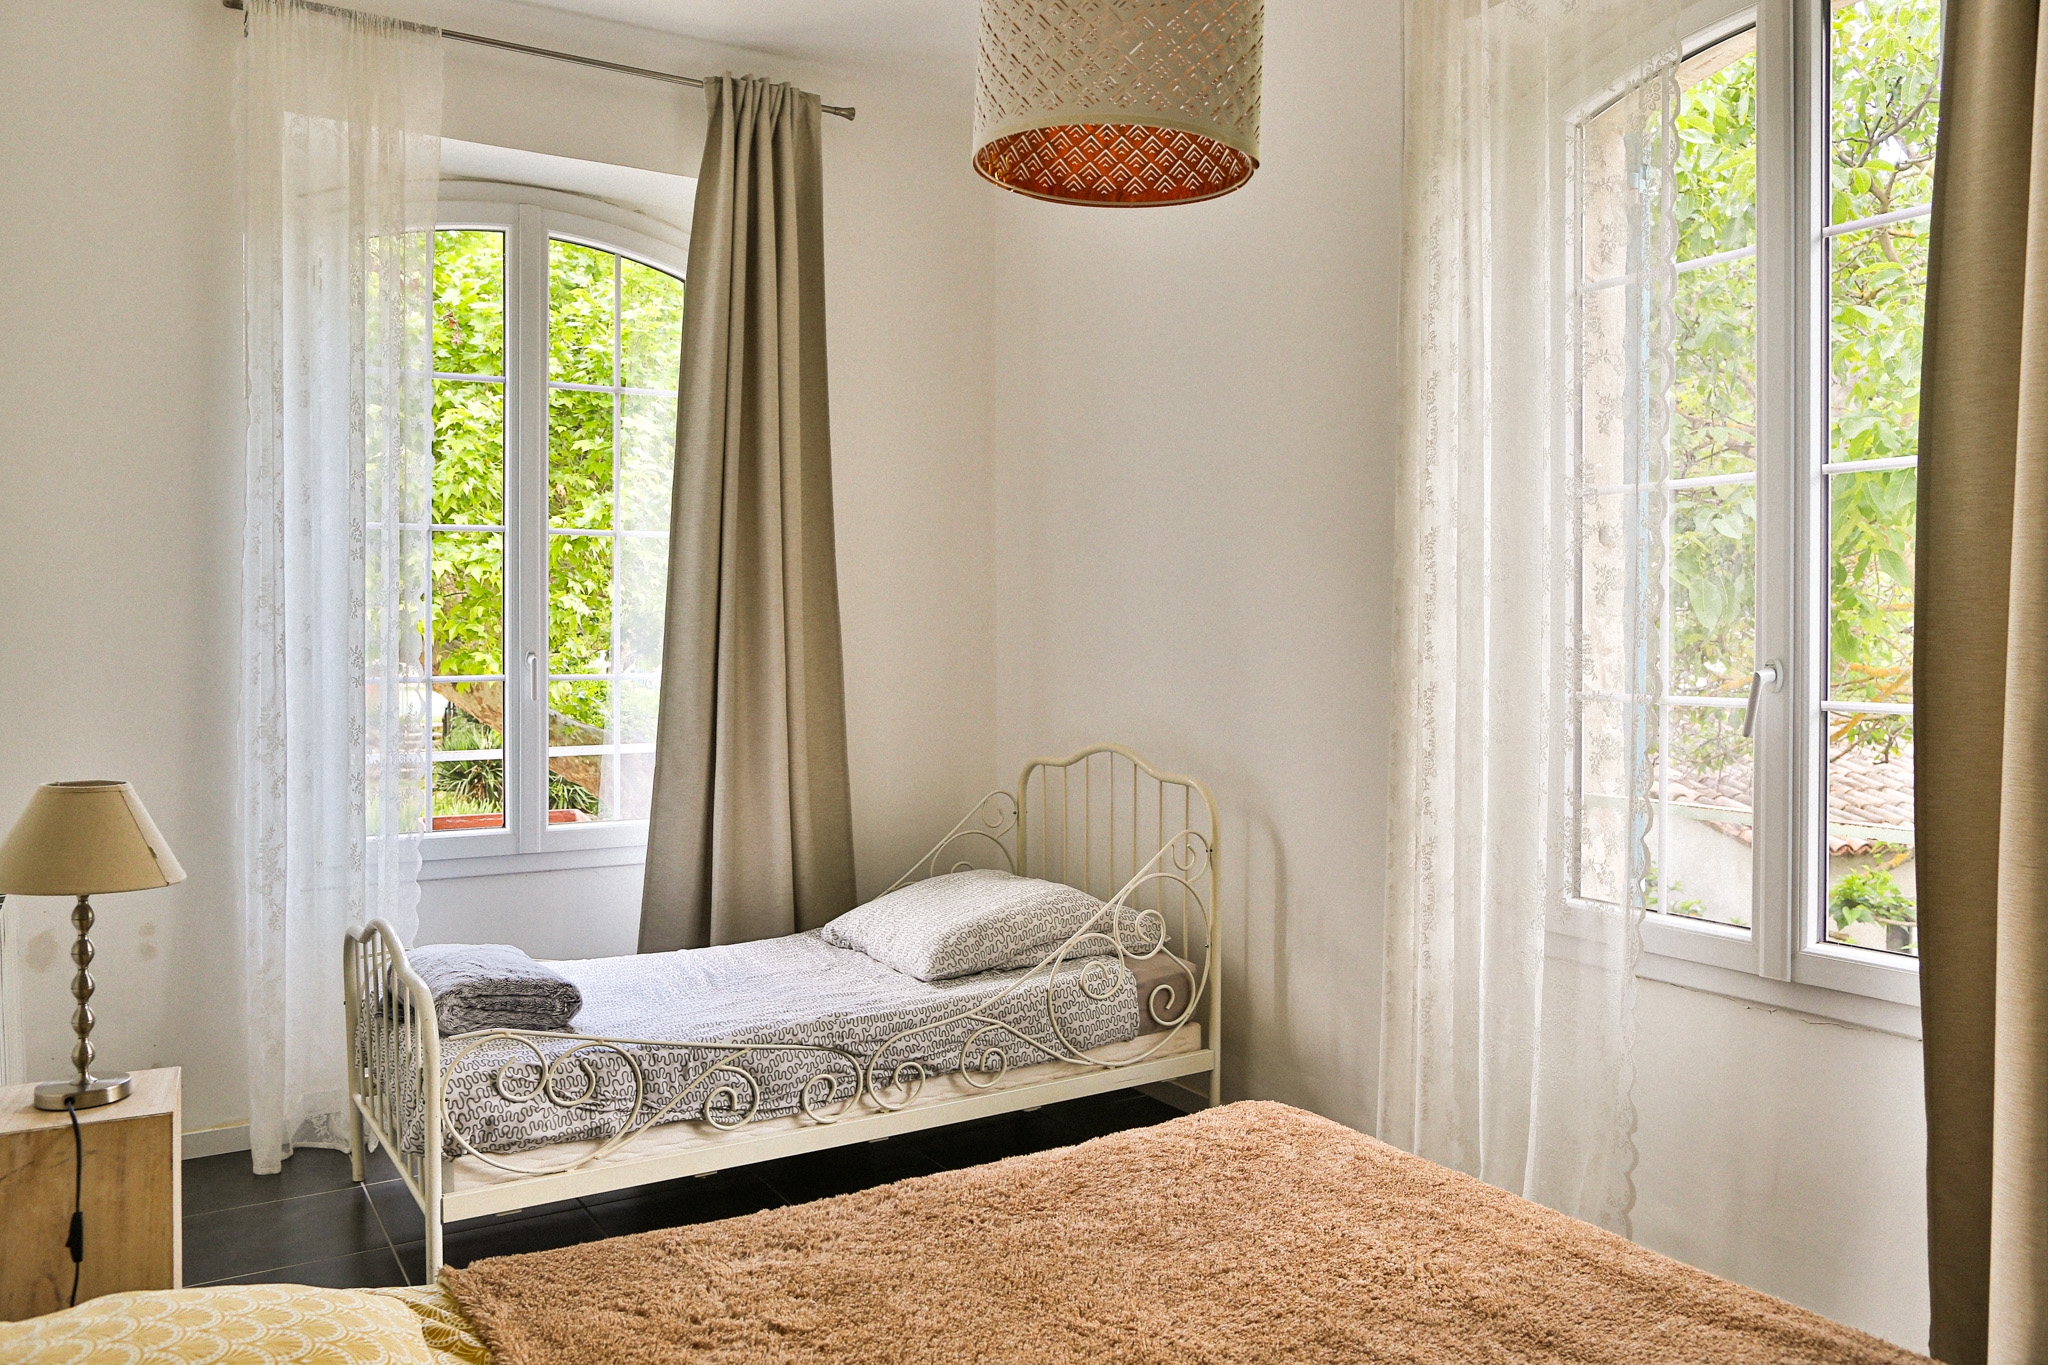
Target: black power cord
(75, 1241)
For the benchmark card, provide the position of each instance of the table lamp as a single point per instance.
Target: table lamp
(84, 839)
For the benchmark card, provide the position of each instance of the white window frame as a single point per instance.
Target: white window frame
(530, 218)
(1784, 959)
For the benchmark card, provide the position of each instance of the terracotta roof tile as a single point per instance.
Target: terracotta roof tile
(1870, 794)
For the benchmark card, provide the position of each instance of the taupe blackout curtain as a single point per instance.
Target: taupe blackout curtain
(1981, 679)
(751, 831)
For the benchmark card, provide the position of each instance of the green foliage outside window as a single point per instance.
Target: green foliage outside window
(1883, 101)
(1884, 104)
(1885, 111)
(1868, 895)
(1712, 530)
(611, 321)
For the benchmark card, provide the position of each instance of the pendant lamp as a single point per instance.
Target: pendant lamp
(1121, 103)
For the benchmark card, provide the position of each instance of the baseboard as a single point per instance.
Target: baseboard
(232, 1137)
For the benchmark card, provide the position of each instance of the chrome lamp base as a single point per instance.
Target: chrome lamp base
(84, 1091)
(90, 1093)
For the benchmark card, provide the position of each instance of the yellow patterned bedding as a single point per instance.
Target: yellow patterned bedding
(258, 1324)
(449, 1337)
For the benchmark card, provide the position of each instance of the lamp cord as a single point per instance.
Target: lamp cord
(75, 1242)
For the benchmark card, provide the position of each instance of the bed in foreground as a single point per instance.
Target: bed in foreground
(1253, 1232)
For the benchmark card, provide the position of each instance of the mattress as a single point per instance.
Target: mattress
(749, 1028)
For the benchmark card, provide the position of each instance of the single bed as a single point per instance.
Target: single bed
(686, 1063)
(815, 1016)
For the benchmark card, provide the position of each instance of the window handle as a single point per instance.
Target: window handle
(1770, 675)
(533, 679)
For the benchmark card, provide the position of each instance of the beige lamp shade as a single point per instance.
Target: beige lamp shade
(1121, 103)
(84, 839)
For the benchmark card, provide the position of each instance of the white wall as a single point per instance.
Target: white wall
(120, 380)
(120, 467)
(1787, 1152)
(1193, 429)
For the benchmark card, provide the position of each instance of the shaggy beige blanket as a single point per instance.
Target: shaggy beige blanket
(1253, 1232)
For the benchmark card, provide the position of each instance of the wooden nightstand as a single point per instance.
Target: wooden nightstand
(133, 1231)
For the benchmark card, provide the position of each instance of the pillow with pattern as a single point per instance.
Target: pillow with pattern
(968, 922)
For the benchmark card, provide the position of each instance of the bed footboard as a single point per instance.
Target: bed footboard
(394, 1061)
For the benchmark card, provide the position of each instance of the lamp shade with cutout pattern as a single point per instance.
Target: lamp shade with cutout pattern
(1118, 103)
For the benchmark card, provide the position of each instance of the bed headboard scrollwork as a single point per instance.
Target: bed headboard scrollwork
(1096, 818)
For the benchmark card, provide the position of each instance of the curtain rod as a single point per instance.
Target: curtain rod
(481, 41)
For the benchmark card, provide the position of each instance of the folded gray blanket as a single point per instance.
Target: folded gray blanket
(493, 985)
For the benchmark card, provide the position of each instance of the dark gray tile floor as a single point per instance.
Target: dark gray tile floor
(313, 1225)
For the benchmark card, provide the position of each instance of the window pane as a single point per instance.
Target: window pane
(1877, 292)
(581, 343)
(627, 779)
(611, 457)
(635, 708)
(650, 327)
(579, 714)
(601, 762)
(1885, 88)
(1870, 833)
(1607, 741)
(1885, 70)
(1712, 590)
(1603, 800)
(602, 786)
(469, 793)
(469, 716)
(580, 459)
(579, 604)
(1870, 606)
(469, 602)
(579, 717)
(647, 461)
(1716, 164)
(639, 601)
(469, 452)
(1714, 393)
(469, 302)
(1704, 849)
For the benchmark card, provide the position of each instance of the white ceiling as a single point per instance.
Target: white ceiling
(920, 36)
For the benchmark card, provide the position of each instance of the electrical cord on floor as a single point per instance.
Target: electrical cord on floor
(75, 1242)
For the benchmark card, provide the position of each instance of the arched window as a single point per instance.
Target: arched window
(556, 345)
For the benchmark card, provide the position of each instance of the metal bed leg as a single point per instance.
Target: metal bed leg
(357, 1151)
(351, 1013)
(433, 1169)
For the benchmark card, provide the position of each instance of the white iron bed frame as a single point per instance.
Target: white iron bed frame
(1142, 840)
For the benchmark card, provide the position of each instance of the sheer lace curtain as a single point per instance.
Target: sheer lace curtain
(1539, 275)
(341, 142)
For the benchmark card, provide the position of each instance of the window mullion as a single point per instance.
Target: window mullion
(1785, 247)
(1808, 829)
(526, 514)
